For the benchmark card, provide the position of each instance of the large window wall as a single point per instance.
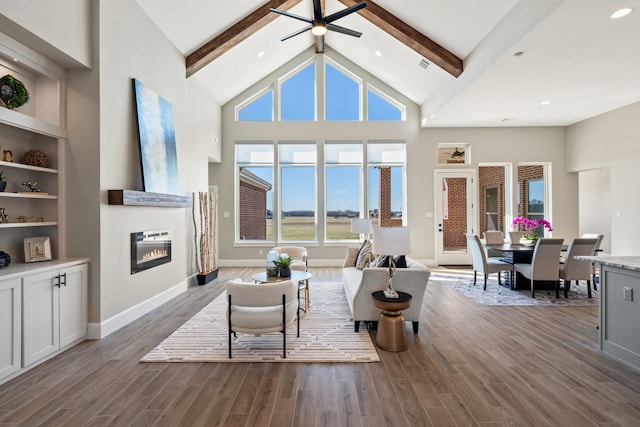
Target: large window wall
(294, 218)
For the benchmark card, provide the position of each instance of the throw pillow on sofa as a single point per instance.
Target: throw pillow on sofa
(364, 255)
(383, 261)
(401, 261)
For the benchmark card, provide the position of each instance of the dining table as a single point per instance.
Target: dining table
(517, 253)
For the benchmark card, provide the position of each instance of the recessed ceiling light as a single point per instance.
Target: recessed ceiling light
(261, 54)
(545, 103)
(424, 121)
(621, 12)
(378, 53)
(432, 116)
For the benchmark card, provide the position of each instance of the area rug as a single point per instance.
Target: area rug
(461, 280)
(326, 335)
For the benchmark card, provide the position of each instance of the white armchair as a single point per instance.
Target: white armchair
(259, 309)
(297, 253)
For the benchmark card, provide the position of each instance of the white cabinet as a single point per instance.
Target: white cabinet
(10, 326)
(54, 311)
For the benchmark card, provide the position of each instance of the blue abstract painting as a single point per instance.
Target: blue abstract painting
(157, 142)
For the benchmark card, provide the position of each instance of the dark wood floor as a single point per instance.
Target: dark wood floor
(469, 366)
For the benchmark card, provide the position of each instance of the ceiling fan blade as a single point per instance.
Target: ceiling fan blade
(291, 15)
(296, 33)
(317, 10)
(345, 12)
(319, 43)
(343, 30)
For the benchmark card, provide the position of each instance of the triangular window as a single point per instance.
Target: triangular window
(382, 107)
(342, 95)
(259, 108)
(298, 94)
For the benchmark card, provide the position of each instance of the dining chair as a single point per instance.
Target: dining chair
(260, 309)
(544, 264)
(577, 270)
(482, 263)
(594, 265)
(515, 236)
(494, 237)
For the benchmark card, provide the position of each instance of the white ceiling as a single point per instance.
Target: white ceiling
(573, 54)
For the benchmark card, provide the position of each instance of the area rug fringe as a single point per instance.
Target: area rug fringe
(326, 335)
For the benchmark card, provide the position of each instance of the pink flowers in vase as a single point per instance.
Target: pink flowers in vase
(529, 225)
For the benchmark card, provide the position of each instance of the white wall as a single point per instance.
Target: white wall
(126, 35)
(118, 42)
(487, 145)
(57, 29)
(595, 195)
(611, 141)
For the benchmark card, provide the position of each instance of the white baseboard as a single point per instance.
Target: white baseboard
(106, 327)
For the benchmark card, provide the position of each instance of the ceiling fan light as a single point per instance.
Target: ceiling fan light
(621, 12)
(319, 29)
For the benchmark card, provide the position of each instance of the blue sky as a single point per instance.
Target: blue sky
(342, 99)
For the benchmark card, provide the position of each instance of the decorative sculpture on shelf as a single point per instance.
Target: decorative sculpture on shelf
(32, 186)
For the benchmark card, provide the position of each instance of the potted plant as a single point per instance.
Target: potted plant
(3, 181)
(530, 237)
(204, 229)
(284, 265)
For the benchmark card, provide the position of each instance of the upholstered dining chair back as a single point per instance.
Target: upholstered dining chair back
(546, 258)
(544, 264)
(574, 269)
(515, 236)
(298, 255)
(482, 263)
(594, 267)
(261, 308)
(494, 237)
(598, 238)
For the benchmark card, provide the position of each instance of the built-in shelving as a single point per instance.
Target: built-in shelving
(28, 224)
(39, 124)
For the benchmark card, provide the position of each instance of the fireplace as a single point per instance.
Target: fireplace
(150, 249)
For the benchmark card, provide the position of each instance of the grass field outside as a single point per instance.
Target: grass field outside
(303, 228)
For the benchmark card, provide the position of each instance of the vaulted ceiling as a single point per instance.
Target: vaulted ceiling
(489, 63)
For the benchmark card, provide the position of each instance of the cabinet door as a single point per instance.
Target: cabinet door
(73, 304)
(10, 326)
(41, 331)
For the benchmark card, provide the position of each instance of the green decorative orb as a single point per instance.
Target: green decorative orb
(12, 92)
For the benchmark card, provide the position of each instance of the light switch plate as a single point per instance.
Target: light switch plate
(628, 294)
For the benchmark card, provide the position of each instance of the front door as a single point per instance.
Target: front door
(455, 211)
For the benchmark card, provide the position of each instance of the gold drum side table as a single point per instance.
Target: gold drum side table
(391, 335)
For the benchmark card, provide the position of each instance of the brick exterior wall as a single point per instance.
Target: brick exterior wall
(253, 212)
(455, 226)
(384, 199)
(527, 173)
(491, 176)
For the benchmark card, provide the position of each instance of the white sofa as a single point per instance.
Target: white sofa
(359, 284)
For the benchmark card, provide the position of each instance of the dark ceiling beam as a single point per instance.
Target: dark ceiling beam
(409, 36)
(318, 41)
(238, 32)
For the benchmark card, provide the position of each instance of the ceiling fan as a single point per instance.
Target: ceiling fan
(319, 24)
